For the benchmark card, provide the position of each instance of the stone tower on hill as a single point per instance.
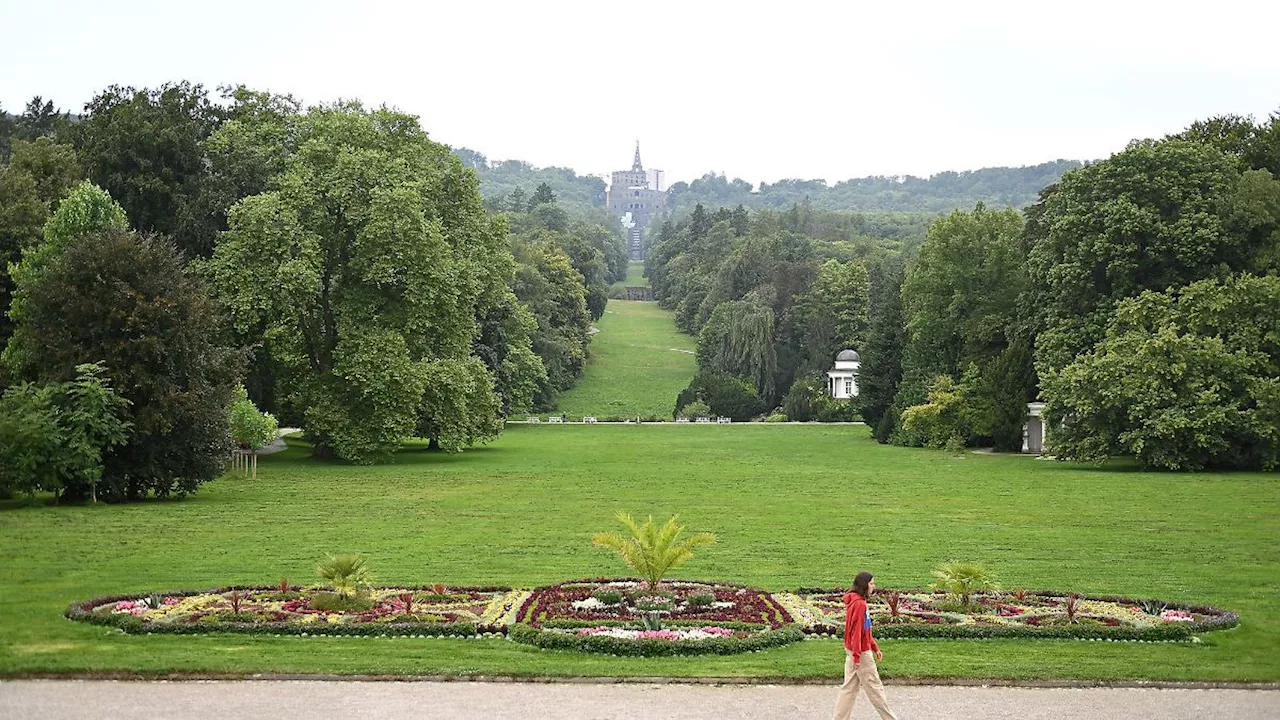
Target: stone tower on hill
(636, 196)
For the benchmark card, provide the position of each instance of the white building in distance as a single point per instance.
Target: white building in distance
(842, 378)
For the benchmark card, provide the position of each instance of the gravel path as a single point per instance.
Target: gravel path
(219, 700)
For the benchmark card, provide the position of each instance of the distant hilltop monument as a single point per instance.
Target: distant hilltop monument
(636, 196)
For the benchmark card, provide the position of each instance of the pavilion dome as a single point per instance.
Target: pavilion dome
(847, 355)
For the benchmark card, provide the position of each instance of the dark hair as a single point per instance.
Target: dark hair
(861, 582)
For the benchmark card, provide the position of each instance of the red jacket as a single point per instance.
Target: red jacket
(857, 627)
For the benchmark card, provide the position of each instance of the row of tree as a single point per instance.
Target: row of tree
(1138, 297)
(335, 258)
(942, 192)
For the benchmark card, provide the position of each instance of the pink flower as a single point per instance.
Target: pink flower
(723, 632)
(172, 601)
(658, 635)
(126, 605)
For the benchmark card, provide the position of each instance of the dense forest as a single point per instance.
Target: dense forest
(165, 246)
(1137, 296)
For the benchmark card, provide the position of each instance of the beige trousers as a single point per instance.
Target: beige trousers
(866, 676)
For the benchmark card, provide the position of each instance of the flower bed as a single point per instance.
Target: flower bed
(436, 610)
(1036, 614)
(622, 617)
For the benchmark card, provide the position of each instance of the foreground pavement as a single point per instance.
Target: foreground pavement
(197, 700)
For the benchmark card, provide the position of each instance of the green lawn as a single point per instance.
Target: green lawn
(635, 276)
(793, 505)
(639, 363)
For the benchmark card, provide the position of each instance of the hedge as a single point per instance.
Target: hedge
(551, 640)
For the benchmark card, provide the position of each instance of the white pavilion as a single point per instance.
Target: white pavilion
(842, 378)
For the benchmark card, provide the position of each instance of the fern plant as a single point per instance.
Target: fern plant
(652, 550)
(346, 573)
(963, 580)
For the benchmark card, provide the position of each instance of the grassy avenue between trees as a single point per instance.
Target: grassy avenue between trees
(638, 364)
(792, 506)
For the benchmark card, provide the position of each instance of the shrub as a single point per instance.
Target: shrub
(962, 580)
(652, 550)
(806, 399)
(347, 573)
(696, 409)
(776, 418)
(550, 639)
(250, 429)
(727, 395)
(52, 436)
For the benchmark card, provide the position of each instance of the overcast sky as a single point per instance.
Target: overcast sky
(763, 92)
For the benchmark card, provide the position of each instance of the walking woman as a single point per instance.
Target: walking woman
(861, 653)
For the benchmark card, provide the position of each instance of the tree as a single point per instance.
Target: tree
(124, 299)
(1182, 380)
(367, 265)
(39, 175)
(87, 211)
(505, 345)
(832, 315)
(146, 148)
(960, 298)
(1158, 215)
(541, 196)
(546, 283)
(738, 340)
(652, 550)
(39, 119)
(726, 395)
(250, 428)
(881, 369)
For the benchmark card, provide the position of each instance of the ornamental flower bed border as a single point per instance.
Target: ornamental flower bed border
(83, 611)
(786, 627)
(1216, 619)
(773, 614)
(552, 640)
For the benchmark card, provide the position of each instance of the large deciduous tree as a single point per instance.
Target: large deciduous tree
(1182, 380)
(1157, 215)
(367, 263)
(146, 148)
(960, 298)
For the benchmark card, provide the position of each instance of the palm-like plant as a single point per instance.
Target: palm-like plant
(963, 580)
(347, 573)
(652, 550)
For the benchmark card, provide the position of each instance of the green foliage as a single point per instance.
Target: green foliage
(146, 148)
(726, 395)
(52, 435)
(943, 192)
(960, 301)
(1108, 232)
(806, 400)
(963, 580)
(459, 407)
(652, 550)
(738, 340)
(548, 639)
(125, 300)
(338, 602)
(833, 312)
(1182, 380)
(881, 369)
(366, 274)
(346, 573)
(942, 422)
(696, 409)
(250, 428)
(39, 174)
(86, 210)
(506, 184)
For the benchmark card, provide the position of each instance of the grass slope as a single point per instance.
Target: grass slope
(639, 363)
(792, 505)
